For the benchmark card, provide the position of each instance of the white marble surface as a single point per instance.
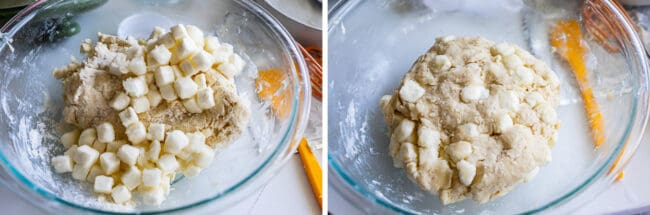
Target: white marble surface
(627, 195)
(287, 193)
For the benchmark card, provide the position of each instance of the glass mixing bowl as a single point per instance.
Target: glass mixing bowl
(31, 118)
(376, 42)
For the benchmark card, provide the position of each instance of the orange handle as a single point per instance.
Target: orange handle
(312, 170)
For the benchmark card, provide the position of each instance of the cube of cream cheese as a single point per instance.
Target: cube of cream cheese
(140, 104)
(411, 91)
(132, 178)
(105, 132)
(85, 156)
(168, 163)
(62, 164)
(120, 101)
(128, 154)
(185, 87)
(103, 184)
(121, 194)
(135, 87)
(70, 138)
(109, 162)
(88, 136)
(175, 142)
(151, 177)
(156, 132)
(136, 133)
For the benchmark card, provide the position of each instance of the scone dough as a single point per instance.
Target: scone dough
(88, 88)
(473, 118)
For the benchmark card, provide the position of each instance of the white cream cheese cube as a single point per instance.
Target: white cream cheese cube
(428, 138)
(179, 32)
(62, 164)
(135, 52)
(103, 184)
(508, 100)
(411, 91)
(132, 178)
(468, 131)
(128, 154)
(80, 172)
(85, 156)
(135, 87)
(167, 40)
(168, 163)
(459, 150)
(175, 142)
(120, 101)
(156, 132)
(156, 32)
(121, 194)
(186, 48)
(237, 61)
(188, 68)
(196, 34)
(211, 43)
(70, 138)
(71, 151)
(137, 66)
(503, 123)
(227, 69)
(128, 116)
(204, 156)
(192, 106)
(109, 162)
(161, 54)
(153, 196)
(105, 132)
(466, 172)
(203, 61)
(205, 98)
(473, 93)
(512, 61)
(442, 62)
(136, 132)
(197, 141)
(185, 87)
(151, 177)
(154, 98)
(140, 104)
(88, 136)
(154, 151)
(168, 92)
(524, 75)
(142, 159)
(404, 129)
(164, 75)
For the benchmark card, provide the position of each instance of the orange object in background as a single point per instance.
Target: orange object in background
(566, 38)
(269, 87)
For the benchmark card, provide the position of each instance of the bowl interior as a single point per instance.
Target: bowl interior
(32, 98)
(376, 43)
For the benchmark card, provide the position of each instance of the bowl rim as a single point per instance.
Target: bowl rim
(297, 120)
(350, 190)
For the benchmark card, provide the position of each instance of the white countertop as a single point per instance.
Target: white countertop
(288, 192)
(628, 194)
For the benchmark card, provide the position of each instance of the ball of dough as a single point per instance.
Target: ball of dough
(472, 118)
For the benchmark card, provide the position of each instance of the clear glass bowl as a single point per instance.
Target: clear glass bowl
(375, 43)
(31, 118)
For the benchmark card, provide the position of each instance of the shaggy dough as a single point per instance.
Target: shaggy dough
(473, 118)
(88, 88)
